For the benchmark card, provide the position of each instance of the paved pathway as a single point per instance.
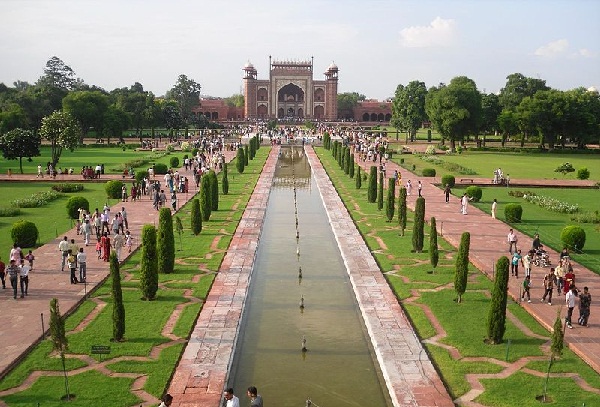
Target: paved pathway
(203, 370)
(488, 243)
(22, 326)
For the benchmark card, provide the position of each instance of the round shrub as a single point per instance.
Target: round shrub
(140, 175)
(583, 173)
(194, 152)
(474, 193)
(74, 204)
(449, 180)
(174, 162)
(113, 189)
(573, 237)
(513, 213)
(24, 233)
(428, 172)
(160, 169)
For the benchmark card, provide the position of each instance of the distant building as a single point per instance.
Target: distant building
(218, 110)
(290, 92)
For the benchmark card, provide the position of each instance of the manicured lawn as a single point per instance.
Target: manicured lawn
(518, 165)
(547, 223)
(195, 268)
(409, 274)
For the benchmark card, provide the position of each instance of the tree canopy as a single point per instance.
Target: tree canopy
(408, 107)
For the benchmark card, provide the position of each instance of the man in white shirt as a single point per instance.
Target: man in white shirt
(63, 246)
(512, 241)
(82, 261)
(24, 277)
(570, 301)
(231, 399)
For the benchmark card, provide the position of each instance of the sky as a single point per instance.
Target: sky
(377, 44)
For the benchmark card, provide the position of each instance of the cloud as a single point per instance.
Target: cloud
(553, 48)
(586, 53)
(439, 33)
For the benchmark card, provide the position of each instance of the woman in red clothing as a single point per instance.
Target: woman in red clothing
(105, 247)
(569, 280)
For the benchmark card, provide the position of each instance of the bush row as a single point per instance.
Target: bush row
(36, 200)
(68, 187)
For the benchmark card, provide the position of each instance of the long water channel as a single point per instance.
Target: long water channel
(338, 368)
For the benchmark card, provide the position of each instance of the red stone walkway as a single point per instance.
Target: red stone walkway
(488, 243)
(22, 318)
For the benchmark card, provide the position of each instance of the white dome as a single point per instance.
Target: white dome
(248, 65)
(332, 67)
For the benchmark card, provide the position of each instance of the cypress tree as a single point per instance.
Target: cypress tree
(214, 190)
(434, 253)
(225, 180)
(496, 322)
(340, 154)
(347, 161)
(252, 147)
(380, 192)
(390, 207)
(165, 242)
(205, 198)
(343, 158)
(196, 217)
(358, 180)
(326, 141)
(334, 149)
(558, 336)
(462, 265)
(418, 235)
(351, 166)
(257, 145)
(246, 155)
(118, 315)
(372, 188)
(402, 210)
(240, 161)
(59, 340)
(149, 263)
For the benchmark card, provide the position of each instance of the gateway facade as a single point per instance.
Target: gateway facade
(291, 92)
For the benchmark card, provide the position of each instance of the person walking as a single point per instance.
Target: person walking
(124, 217)
(86, 230)
(71, 263)
(231, 400)
(548, 286)
(447, 192)
(13, 274)
(512, 239)
(24, 277)
(570, 301)
(419, 187)
(118, 244)
(408, 187)
(494, 208)
(63, 247)
(82, 261)
(3, 273)
(464, 202)
(516, 258)
(526, 287)
(585, 301)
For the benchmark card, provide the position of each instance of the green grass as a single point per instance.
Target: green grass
(549, 224)
(518, 165)
(464, 323)
(144, 319)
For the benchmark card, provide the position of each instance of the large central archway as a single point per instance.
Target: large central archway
(290, 101)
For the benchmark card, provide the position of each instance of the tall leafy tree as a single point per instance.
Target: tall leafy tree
(133, 101)
(408, 107)
(186, 92)
(462, 265)
(58, 75)
(434, 252)
(171, 117)
(402, 209)
(418, 235)
(455, 109)
(346, 103)
(118, 315)
(87, 107)
(165, 242)
(12, 117)
(518, 87)
(149, 263)
(496, 321)
(62, 131)
(490, 110)
(115, 122)
(19, 143)
(152, 113)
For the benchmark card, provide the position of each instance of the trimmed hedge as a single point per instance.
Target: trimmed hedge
(475, 193)
(113, 189)
(24, 233)
(74, 204)
(160, 169)
(174, 162)
(449, 180)
(140, 175)
(583, 173)
(573, 237)
(428, 172)
(67, 187)
(513, 213)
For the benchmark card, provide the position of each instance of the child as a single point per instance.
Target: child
(99, 248)
(72, 265)
(128, 241)
(30, 258)
(526, 287)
